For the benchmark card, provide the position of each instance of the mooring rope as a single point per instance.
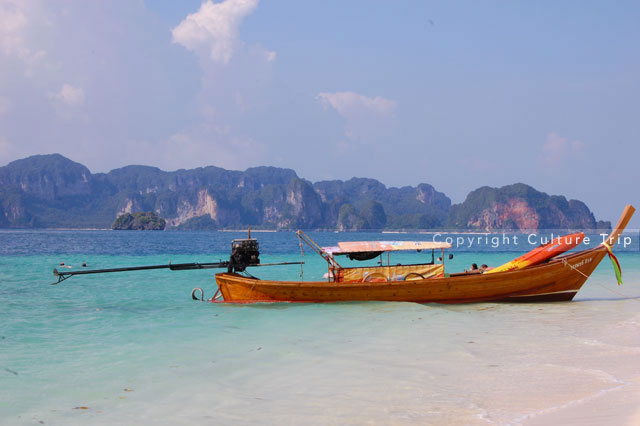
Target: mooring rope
(217, 295)
(564, 261)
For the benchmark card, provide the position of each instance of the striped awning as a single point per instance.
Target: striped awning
(347, 247)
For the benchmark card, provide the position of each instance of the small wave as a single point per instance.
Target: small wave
(600, 374)
(618, 349)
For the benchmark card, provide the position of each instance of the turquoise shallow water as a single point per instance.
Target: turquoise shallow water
(135, 349)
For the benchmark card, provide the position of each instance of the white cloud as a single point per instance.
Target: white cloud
(366, 118)
(350, 104)
(557, 149)
(213, 29)
(270, 55)
(236, 84)
(14, 25)
(72, 96)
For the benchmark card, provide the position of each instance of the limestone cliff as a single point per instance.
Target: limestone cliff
(360, 204)
(520, 207)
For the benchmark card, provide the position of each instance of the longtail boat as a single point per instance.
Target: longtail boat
(557, 279)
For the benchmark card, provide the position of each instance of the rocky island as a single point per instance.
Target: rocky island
(140, 221)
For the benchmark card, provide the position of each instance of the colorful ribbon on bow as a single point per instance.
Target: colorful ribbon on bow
(614, 262)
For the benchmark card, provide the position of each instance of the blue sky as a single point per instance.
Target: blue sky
(455, 94)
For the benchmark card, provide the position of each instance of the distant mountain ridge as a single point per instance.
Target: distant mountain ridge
(51, 191)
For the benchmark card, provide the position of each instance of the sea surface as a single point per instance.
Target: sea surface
(133, 348)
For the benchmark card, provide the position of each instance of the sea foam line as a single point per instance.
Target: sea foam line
(598, 373)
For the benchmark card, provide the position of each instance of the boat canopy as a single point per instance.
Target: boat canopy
(350, 247)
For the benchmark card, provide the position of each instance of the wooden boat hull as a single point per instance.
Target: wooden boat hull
(558, 280)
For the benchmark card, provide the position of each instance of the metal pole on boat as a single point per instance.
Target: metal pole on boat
(330, 259)
(63, 275)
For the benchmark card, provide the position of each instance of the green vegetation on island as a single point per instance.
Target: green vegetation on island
(199, 223)
(140, 221)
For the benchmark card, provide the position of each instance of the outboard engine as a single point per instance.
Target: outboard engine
(243, 253)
